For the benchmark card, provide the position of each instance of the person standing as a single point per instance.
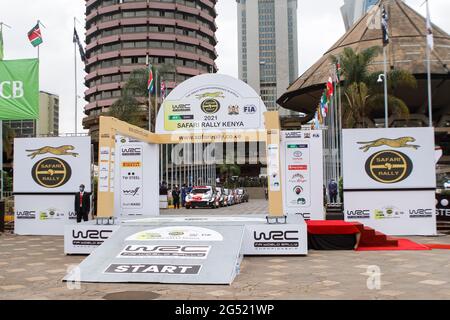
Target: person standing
(183, 195)
(176, 197)
(82, 204)
(333, 191)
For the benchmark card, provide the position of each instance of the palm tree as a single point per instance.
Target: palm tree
(128, 109)
(363, 94)
(229, 170)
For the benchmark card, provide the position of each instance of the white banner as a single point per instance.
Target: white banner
(302, 158)
(43, 214)
(52, 165)
(397, 158)
(211, 102)
(402, 213)
(85, 238)
(137, 165)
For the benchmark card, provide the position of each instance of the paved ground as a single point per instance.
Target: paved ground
(32, 268)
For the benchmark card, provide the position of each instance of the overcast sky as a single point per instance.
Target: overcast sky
(319, 26)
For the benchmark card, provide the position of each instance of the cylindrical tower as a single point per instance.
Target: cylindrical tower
(120, 34)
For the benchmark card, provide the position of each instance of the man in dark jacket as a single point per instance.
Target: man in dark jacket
(82, 204)
(333, 191)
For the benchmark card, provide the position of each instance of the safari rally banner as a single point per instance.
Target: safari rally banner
(52, 165)
(19, 89)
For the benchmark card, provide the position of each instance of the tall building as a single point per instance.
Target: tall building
(353, 10)
(268, 47)
(48, 123)
(120, 34)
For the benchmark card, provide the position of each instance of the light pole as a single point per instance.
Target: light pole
(382, 78)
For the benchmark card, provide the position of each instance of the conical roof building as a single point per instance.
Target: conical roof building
(407, 50)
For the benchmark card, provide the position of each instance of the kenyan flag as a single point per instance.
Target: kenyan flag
(151, 80)
(35, 36)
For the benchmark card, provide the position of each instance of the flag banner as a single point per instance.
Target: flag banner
(151, 80)
(430, 37)
(35, 36)
(19, 89)
(76, 39)
(385, 25)
(330, 88)
(1, 45)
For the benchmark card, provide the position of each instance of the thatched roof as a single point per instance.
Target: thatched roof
(407, 50)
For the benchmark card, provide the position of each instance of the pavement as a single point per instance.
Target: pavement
(32, 268)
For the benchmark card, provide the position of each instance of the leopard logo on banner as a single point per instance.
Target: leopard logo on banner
(51, 173)
(389, 166)
(393, 143)
(59, 151)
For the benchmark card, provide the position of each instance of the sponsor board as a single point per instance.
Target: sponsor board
(442, 207)
(181, 233)
(83, 238)
(34, 215)
(303, 171)
(48, 165)
(273, 167)
(211, 102)
(165, 251)
(172, 269)
(289, 239)
(400, 213)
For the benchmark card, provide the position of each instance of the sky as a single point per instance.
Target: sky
(319, 26)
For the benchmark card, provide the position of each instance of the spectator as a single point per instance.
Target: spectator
(183, 195)
(176, 197)
(333, 191)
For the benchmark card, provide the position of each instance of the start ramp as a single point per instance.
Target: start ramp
(165, 254)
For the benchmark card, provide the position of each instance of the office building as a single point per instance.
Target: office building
(353, 10)
(120, 34)
(268, 47)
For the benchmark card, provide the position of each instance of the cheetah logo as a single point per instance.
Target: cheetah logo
(393, 143)
(59, 151)
(210, 95)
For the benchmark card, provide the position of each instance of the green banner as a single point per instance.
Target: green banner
(19, 89)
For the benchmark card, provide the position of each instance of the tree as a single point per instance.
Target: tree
(128, 109)
(364, 96)
(8, 141)
(229, 170)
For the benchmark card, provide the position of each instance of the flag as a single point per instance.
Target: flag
(76, 39)
(385, 25)
(323, 106)
(430, 37)
(163, 89)
(1, 45)
(330, 88)
(151, 80)
(35, 36)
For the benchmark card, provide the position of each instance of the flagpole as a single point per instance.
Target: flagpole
(386, 106)
(430, 97)
(76, 78)
(156, 97)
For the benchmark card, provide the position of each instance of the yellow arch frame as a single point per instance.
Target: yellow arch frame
(110, 127)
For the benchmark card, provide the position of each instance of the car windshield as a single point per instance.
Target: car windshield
(200, 191)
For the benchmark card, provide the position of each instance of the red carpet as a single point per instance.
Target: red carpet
(438, 246)
(403, 244)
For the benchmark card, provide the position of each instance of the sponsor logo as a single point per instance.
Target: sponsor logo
(90, 237)
(153, 269)
(210, 106)
(178, 234)
(294, 135)
(26, 214)
(298, 190)
(131, 164)
(72, 215)
(387, 213)
(389, 166)
(307, 135)
(276, 239)
(181, 117)
(233, 110)
(421, 213)
(50, 214)
(297, 178)
(16, 89)
(131, 151)
(306, 215)
(393, 143)
(132, 192)
(58, 151)
(183, 252)
(131, 176)
(358, 214)
(250, 109)
(298, 154)
(181, 108)
(298, 167)
(51, 173)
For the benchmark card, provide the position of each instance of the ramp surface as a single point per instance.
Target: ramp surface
(161, 253)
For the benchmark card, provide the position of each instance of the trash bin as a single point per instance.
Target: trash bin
(2, 216)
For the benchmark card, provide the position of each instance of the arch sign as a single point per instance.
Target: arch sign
(205, 109)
